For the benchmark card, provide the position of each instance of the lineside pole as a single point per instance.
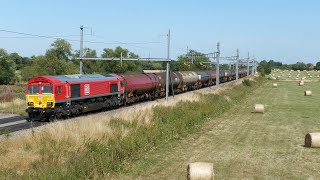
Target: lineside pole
(256, 66)
(253, 66)
(121, 59)
(168, 67)
(248, 66)
(217, 65)
(237, 65)
(81, 49)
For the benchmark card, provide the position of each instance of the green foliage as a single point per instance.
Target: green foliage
(7, 68)
(90, 67)
(47, 65)
(184, 63)
(247, 82)
(61, 49)
(115, 66)
(299, 66)
(273, 63)
(7, 133)
(317, 66)
(264, 67)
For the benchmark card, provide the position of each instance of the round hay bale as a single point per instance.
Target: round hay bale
(289, 76)
(200, 170)
(312, 140)
(297, 78)
(301, 83)
(274, 85)
(259, 108)
(310, 76)
(307, 93)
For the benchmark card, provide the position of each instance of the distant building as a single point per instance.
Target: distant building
(310, 66)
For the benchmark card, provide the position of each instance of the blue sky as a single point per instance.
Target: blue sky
(287, 30)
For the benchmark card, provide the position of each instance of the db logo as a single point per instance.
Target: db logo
(86, 89)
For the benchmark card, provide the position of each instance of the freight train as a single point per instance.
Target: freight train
(50, 97)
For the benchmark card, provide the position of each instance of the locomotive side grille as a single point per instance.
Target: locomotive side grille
(113, 88)
(75, 90)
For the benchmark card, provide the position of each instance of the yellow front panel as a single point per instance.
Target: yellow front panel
(40, 100)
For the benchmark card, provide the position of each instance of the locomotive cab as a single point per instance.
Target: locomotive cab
(40, 100)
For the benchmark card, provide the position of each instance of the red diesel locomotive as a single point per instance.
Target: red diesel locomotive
(65, 95)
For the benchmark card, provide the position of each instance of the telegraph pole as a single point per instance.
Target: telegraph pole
(248, 68)
(217, 65)
(192, 59)
(256, 66)
(81, 49)
(237, 65)
(253, 65)
(168, 67)
(121, 59)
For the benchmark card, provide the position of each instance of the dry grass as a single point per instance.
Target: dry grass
(16, 106)
(12, 99)
(19, 152)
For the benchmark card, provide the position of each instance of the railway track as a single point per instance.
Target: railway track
(16, 123)
(10, 124)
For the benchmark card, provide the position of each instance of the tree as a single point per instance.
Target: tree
(193, 60)
(92, 66)
(60, 49)
(264, 68)
(17, 59)
(273, 63)
(317, 66)
(47, 65)
(299, 66)
(7, 68)
(115, 66)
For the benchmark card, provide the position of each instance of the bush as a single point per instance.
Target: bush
(247, 82)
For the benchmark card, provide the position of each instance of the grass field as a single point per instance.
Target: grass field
(288, 75)
(244, 145)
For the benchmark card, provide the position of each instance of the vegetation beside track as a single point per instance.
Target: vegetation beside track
(12, 99)
(115, 152)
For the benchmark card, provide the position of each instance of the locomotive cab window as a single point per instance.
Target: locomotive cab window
(46, 89)
(33, 89)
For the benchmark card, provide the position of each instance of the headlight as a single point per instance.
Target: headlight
(49, 104)
(30, 103)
